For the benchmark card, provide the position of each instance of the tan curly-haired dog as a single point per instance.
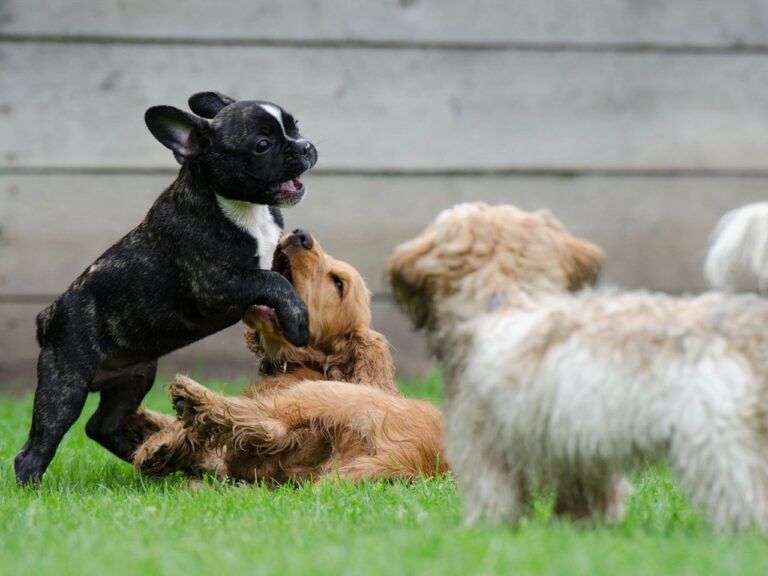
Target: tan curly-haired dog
(294, 423)
(548, 386)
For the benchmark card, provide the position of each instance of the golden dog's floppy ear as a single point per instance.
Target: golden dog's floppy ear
(364, 358)
(583, 263)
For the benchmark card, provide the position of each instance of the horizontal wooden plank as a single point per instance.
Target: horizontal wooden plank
(655, 230)
(223, 355)
(382, 109)
(708, 22)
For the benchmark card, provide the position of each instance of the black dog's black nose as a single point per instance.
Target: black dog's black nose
(302, 238)
(306, 148)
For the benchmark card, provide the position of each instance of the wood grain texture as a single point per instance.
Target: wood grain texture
(654, 230)
(626, 94)
(401, 110)
(703, 22)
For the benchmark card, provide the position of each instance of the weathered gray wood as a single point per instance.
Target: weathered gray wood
(223, 355)
(707, 22)
(84, 104)
(655, 230)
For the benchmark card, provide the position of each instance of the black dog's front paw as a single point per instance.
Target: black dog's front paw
(292, 317)
(296, 325)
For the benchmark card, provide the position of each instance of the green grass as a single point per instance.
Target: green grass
(94, 515)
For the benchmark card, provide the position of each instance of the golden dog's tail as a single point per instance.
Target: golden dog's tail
(738, 253)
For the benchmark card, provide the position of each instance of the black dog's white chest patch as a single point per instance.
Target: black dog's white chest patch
(256, 220)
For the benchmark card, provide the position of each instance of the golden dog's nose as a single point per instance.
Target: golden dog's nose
(300, 237)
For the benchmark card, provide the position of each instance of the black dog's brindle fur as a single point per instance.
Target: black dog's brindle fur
(185, 272)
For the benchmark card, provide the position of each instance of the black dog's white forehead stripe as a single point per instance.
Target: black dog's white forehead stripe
(277, 114)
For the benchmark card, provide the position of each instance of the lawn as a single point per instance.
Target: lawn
(94, 515)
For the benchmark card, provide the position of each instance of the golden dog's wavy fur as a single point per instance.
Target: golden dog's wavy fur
(315, 430)
(331, 409)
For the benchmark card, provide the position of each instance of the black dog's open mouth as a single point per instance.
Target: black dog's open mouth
(289, 193)
(292, 186)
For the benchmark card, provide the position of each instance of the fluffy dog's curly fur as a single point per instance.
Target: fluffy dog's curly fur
(294, 424)
(570, 390)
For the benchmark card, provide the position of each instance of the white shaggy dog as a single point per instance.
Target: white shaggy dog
(738, 255)
(546, 386)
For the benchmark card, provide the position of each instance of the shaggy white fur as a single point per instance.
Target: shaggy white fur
(571, 390)
(738, 254)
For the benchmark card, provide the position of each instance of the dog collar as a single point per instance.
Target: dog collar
(269, 367)
(497, 300)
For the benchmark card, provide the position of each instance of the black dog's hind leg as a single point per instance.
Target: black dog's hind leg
(62, 387)
(121, 395)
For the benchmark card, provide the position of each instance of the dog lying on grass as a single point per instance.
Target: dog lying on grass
(549, 386)
(191, 268)
(329, 410)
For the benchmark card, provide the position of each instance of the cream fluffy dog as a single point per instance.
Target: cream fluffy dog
(546, 386)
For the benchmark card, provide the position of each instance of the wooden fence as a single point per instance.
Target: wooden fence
(637, 123)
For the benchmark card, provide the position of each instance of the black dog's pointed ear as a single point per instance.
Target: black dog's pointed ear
(185, 134)
(208, 104)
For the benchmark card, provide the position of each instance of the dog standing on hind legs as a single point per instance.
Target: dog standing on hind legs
(549, 383)
(199, 259)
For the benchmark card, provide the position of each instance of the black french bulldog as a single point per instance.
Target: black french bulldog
(195, 264)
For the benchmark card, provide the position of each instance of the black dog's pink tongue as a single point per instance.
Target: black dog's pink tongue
(290, 186)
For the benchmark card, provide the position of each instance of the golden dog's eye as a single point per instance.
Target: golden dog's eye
(339, 285)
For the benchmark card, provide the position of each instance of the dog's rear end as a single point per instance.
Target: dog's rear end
(738, 255)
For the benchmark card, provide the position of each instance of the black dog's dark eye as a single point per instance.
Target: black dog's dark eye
(339, 284)
(263, 145)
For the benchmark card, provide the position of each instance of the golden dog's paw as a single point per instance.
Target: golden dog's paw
(170, 450)
(153, 459)
(201, 411)
(187, 397)
(140, 425)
